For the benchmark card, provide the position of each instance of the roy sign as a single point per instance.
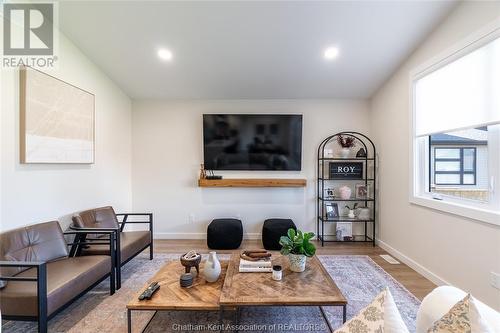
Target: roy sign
(346, 170)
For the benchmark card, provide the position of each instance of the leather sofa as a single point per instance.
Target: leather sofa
(128, 243)
(38, 276)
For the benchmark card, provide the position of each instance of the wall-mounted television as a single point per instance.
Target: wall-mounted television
(252, 141)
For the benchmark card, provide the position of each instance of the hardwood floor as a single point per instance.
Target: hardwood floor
(413, 281)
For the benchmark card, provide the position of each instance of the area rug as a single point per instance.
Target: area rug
(359, 278)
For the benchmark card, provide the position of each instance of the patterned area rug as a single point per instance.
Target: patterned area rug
(359, 278)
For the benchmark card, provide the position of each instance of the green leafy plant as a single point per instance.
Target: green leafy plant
(297, 242)
(346, 142)
(353, 207)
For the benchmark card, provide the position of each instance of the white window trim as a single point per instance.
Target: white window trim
(474, 211)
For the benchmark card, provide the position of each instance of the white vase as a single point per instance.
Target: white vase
(345, 192)
(345, 152)
(351, 214)
(211, 270)
(297, 262)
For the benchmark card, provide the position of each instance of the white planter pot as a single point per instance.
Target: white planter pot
(345, 152)
(297, 262)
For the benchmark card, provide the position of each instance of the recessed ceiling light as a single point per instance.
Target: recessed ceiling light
(165, 54)
(331, 53)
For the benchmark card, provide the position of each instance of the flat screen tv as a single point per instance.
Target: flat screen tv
(252, 141)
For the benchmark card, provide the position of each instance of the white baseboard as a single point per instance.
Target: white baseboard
(413, 264)
(196, 235)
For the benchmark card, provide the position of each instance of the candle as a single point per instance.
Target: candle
(277, 273)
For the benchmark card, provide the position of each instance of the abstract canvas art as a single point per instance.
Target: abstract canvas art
(57, 120)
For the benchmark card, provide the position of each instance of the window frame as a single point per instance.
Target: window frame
(461, 172)
(420, 149)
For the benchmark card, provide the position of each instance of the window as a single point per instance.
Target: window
(454, 166)
(455, 163)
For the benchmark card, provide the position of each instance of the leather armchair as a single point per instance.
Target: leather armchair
(40, 278)
(128, 243)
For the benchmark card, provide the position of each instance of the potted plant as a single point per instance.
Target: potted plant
(297, 246)
(346, 143)
(351, 210)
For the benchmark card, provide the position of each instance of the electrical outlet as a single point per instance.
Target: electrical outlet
(495, 280)
(192, 218)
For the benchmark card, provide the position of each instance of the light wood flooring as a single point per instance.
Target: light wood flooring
(413, 281)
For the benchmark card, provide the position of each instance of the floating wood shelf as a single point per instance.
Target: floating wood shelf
(252, 182)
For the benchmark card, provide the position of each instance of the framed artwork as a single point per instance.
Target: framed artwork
(329, 193)
(362, 191)
(345, 228)
(332, 210)
(57, 120)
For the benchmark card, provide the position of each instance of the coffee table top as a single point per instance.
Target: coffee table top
(171, 296)
(314, 286)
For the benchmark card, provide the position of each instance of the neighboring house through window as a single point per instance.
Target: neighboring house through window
(454, 166)
(459, 164)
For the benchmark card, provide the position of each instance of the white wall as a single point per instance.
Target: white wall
(444, 247)
(167, 152)
(37, 193)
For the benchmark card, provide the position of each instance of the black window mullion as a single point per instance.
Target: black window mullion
(461, 166)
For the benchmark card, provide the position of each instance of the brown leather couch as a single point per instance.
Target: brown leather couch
(128, 243)
(38, 276)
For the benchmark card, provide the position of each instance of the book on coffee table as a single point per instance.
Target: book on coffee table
(247, 266)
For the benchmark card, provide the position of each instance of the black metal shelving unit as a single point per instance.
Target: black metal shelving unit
(369, 179)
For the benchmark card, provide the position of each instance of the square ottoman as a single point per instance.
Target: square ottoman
(224, 234)
(273, 229)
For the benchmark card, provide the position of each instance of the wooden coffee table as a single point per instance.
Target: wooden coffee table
(313, 287)
(202, 296)
(233, 290)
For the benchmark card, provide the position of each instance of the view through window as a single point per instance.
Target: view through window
(458, 164)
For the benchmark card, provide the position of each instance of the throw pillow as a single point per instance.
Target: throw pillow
(380, 316)
(463, 317)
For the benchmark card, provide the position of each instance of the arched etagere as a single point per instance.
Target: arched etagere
(361, 178)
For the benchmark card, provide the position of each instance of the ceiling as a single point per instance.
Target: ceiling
(249, 49)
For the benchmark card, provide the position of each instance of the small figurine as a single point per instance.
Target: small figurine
(203, 173)
(361, 153)
(191, 259)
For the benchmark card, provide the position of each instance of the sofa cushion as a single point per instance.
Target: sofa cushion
(381, 315)
(463, 317)
(66, 278)
(131, 242)
(37, 242)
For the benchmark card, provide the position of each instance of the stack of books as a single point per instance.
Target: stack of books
(247, 266)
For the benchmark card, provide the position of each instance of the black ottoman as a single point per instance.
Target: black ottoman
(272, 230)
(224, 234)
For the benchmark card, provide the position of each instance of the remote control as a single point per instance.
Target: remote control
(148, 293)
